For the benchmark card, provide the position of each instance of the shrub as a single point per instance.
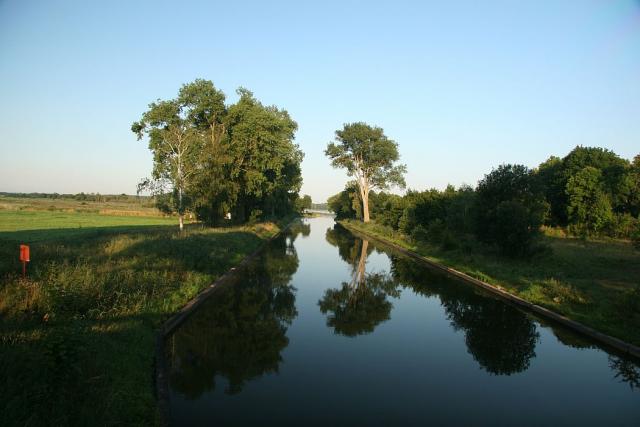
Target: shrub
(622, 226)
(509, 209)
(514, 232)
(255, 216)
(635, 238)
(449, 241)
(436, 231)
(419, 234)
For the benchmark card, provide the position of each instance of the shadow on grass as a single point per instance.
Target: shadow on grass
(38, 235)
(103, 292)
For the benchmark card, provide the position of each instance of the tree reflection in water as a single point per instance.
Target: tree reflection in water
(500, 338)
(626, 371)
(240, 332)
(356, 308)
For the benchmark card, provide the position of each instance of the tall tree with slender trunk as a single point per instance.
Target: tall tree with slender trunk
(176, 145)
(368, 156)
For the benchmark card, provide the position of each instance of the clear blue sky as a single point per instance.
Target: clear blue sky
(462, 86)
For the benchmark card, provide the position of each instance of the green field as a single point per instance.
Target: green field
(595, 282)
(31, 226)
(77, 336)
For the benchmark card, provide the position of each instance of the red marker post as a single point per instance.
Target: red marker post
(24, 258)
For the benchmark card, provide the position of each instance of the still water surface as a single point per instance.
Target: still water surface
(328, 329)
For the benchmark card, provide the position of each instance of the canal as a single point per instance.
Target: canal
(325, 328)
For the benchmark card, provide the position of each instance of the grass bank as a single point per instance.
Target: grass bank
(77, 336)
(596, 283)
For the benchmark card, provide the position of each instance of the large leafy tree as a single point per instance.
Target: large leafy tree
(175, 148)
(612, 167)
(212, 192)
(509, 209)
(265, 161)
(589, 208)
(552, 182)
(179, 131)
(217, 159)
(634, 184)
(368, 156)
(554, 175)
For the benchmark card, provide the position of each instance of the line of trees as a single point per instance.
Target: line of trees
(589, 192)
(220, 160)
(92, 197)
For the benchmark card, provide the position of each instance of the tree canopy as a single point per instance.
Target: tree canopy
(368, 156)
(219, 160)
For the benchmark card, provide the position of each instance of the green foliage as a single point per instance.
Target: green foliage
(635, 237)
(217, 159)
(550, 179)
(303, 203)
(346, 204)
(514, 228)
(589, 208)
(265, 165)
(368, 156)
(419, 234)
(622, 225)
(613, 171)
(387, 209)
(92, 292)
(436, 231)
(510, 203)
(585, 280)
(509, 190)
(618, 186)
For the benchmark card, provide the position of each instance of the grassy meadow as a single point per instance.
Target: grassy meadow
(77, 335)
(595, 282)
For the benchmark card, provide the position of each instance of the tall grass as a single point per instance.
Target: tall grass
(77, 335)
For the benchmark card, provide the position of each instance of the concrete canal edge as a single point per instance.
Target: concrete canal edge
(170, 325)
(604, 339)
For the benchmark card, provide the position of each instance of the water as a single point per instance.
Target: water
(327, 329)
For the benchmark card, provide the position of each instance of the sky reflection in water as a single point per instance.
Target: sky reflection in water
(327, 328)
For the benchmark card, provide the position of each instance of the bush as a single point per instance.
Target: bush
(449, 241)
(635, 237)
(622, 226)
(419, 234)
(436, 231)
(514, 232)
(255, 216)
(509, 209)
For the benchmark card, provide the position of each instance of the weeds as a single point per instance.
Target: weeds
(77, 336)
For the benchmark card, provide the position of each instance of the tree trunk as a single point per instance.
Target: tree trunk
(180, 211)
(362, 262)
(365, 205)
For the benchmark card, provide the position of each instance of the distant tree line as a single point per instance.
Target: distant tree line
(589, 192)
(218, 160)
(90, 197)
(320, 206)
